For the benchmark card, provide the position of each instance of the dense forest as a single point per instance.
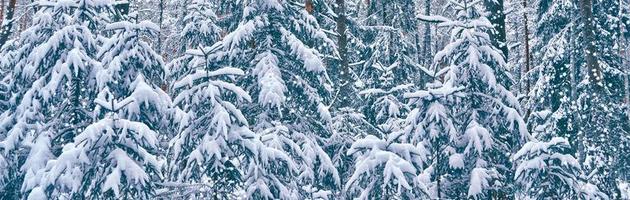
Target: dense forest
(314, 99)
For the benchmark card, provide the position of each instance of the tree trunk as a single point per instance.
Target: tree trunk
(625, 57)
(527, 67)
(497, 18)
(594, 70)
(346, 93)
(160, 21)
(426, 51)
(5, 28)
(576, 138)
(624, 53)
(1, 11)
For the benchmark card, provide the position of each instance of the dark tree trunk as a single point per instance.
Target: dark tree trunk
(526, 48)
(594, 70)
(1, 11)
(5, 29)
(497, 18)
(160, 21)
(426, 51)
(346, 93)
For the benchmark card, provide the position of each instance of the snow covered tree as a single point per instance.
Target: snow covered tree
(287, 79)
(547, 170)
(111, 158)
(314, 99)
(53, 83)
(133, 68)
(430, 126)
(115, 157)
(384, 149)
(546, 167)
(553, 74)
(201, 28)
(496, 16)
(601, 127)
(385, 110)
(229, 13)
(485, 114)
(386, 168)
(566, 84)
(390, 29)
(7, 22)
(213, 132)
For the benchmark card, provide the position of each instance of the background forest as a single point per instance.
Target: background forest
(314, 99)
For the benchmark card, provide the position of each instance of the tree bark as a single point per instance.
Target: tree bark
(426, 51)
(527, 67)
(5, 28)
(1, 11)
(346, 93)
(497, 18)
(624, 54)
(160, 21)
(594, 70)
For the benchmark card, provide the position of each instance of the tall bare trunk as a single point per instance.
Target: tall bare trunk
(427, 57)
(497, 18)
(624, 53)
(576, 138)
(625, 57)
(527, 55)
(160, 21)
(5, 28)
(346, 90)
(594, 70)
(1, 11)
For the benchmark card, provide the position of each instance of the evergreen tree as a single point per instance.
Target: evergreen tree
(601, 126)
(53, 87)
(546, 167)
(213, 132)
(430, 126)
(386, 168)
(115, 157)
(112, 158)
(200, 25)
(288, 81)
(389, 29)
(485, 114)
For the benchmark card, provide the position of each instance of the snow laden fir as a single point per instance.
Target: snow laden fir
(314, 99)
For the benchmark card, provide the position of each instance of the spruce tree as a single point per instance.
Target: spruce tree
(287, 80)
(213, 132)
(116, 155)
(485, 115)
(53, 86)
(386, 168)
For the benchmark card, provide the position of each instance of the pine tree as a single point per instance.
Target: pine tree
(287, 79)
(53, 88)
(112, 158)
(430, 126)
(229, 13)
(386, 168)
(546, 167)
(601, 126)
(386, 111)
(485, 114)
(390, 29)
(115, 157)
(201, 28)
(213, 132)
(554, 85)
